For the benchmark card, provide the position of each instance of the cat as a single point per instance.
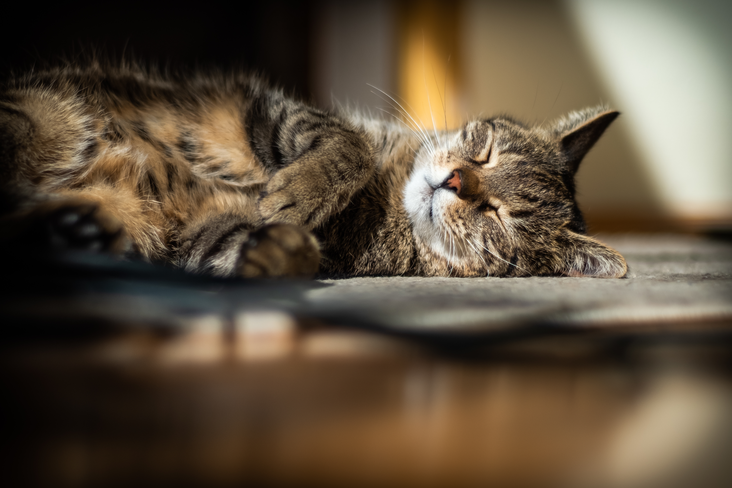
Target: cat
(222, 174)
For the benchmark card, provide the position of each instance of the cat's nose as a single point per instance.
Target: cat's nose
(454, 182)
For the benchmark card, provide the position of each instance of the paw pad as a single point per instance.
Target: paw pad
(78, 227)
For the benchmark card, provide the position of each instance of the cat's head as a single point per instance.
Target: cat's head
(497, 198)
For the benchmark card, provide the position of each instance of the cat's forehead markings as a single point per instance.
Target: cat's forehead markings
(508, 158)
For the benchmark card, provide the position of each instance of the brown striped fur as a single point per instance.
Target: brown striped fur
(222, 174)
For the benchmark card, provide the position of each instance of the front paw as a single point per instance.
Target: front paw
(279, 250)
(298, 195)
(79, 226)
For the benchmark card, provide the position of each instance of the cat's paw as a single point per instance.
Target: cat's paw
(82, 227)
(279, 250)
(297, 195)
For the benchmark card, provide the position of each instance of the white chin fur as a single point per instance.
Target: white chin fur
(420, 198)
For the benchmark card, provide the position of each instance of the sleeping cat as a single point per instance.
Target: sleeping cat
(224, 175)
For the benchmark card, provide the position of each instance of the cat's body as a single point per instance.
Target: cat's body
(224, 175)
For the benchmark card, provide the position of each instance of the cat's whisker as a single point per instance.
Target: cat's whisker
(408, 127)
(444, 105)
(443, 101)
(452, 253)
(464, 246)
(395, 105)
(411, 148)
(474, 247)
(421, 127)
(429, 104)
(427, 91)
(412, 125)
(415, 128)
(495, 255)
(400, 108)
(477, 253)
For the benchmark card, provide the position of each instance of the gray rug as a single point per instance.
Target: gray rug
(673, 279)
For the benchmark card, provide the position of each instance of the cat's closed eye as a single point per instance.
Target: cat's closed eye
(479, 162)
(491, 206)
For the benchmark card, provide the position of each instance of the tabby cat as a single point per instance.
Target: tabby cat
(222, 174)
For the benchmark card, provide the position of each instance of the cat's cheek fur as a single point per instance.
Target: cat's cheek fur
(417, 200)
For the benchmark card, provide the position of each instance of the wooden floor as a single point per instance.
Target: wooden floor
(344, 408)
(327, 384)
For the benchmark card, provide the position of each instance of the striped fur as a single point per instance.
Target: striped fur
(222, 174)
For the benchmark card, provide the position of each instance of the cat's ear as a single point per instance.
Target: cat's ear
(579, 131)
(585, 256)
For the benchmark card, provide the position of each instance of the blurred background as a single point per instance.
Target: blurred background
(665, 165)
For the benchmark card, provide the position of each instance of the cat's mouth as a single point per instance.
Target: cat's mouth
(425, 207)
(435, 207)
(421, 199)
(431, 200)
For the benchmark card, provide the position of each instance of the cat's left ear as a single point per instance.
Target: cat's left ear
(585, 256)
(579, 131)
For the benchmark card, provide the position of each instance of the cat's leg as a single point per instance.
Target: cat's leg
(67, 222)
(320, 160)
(99, 217)
(228, 245)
